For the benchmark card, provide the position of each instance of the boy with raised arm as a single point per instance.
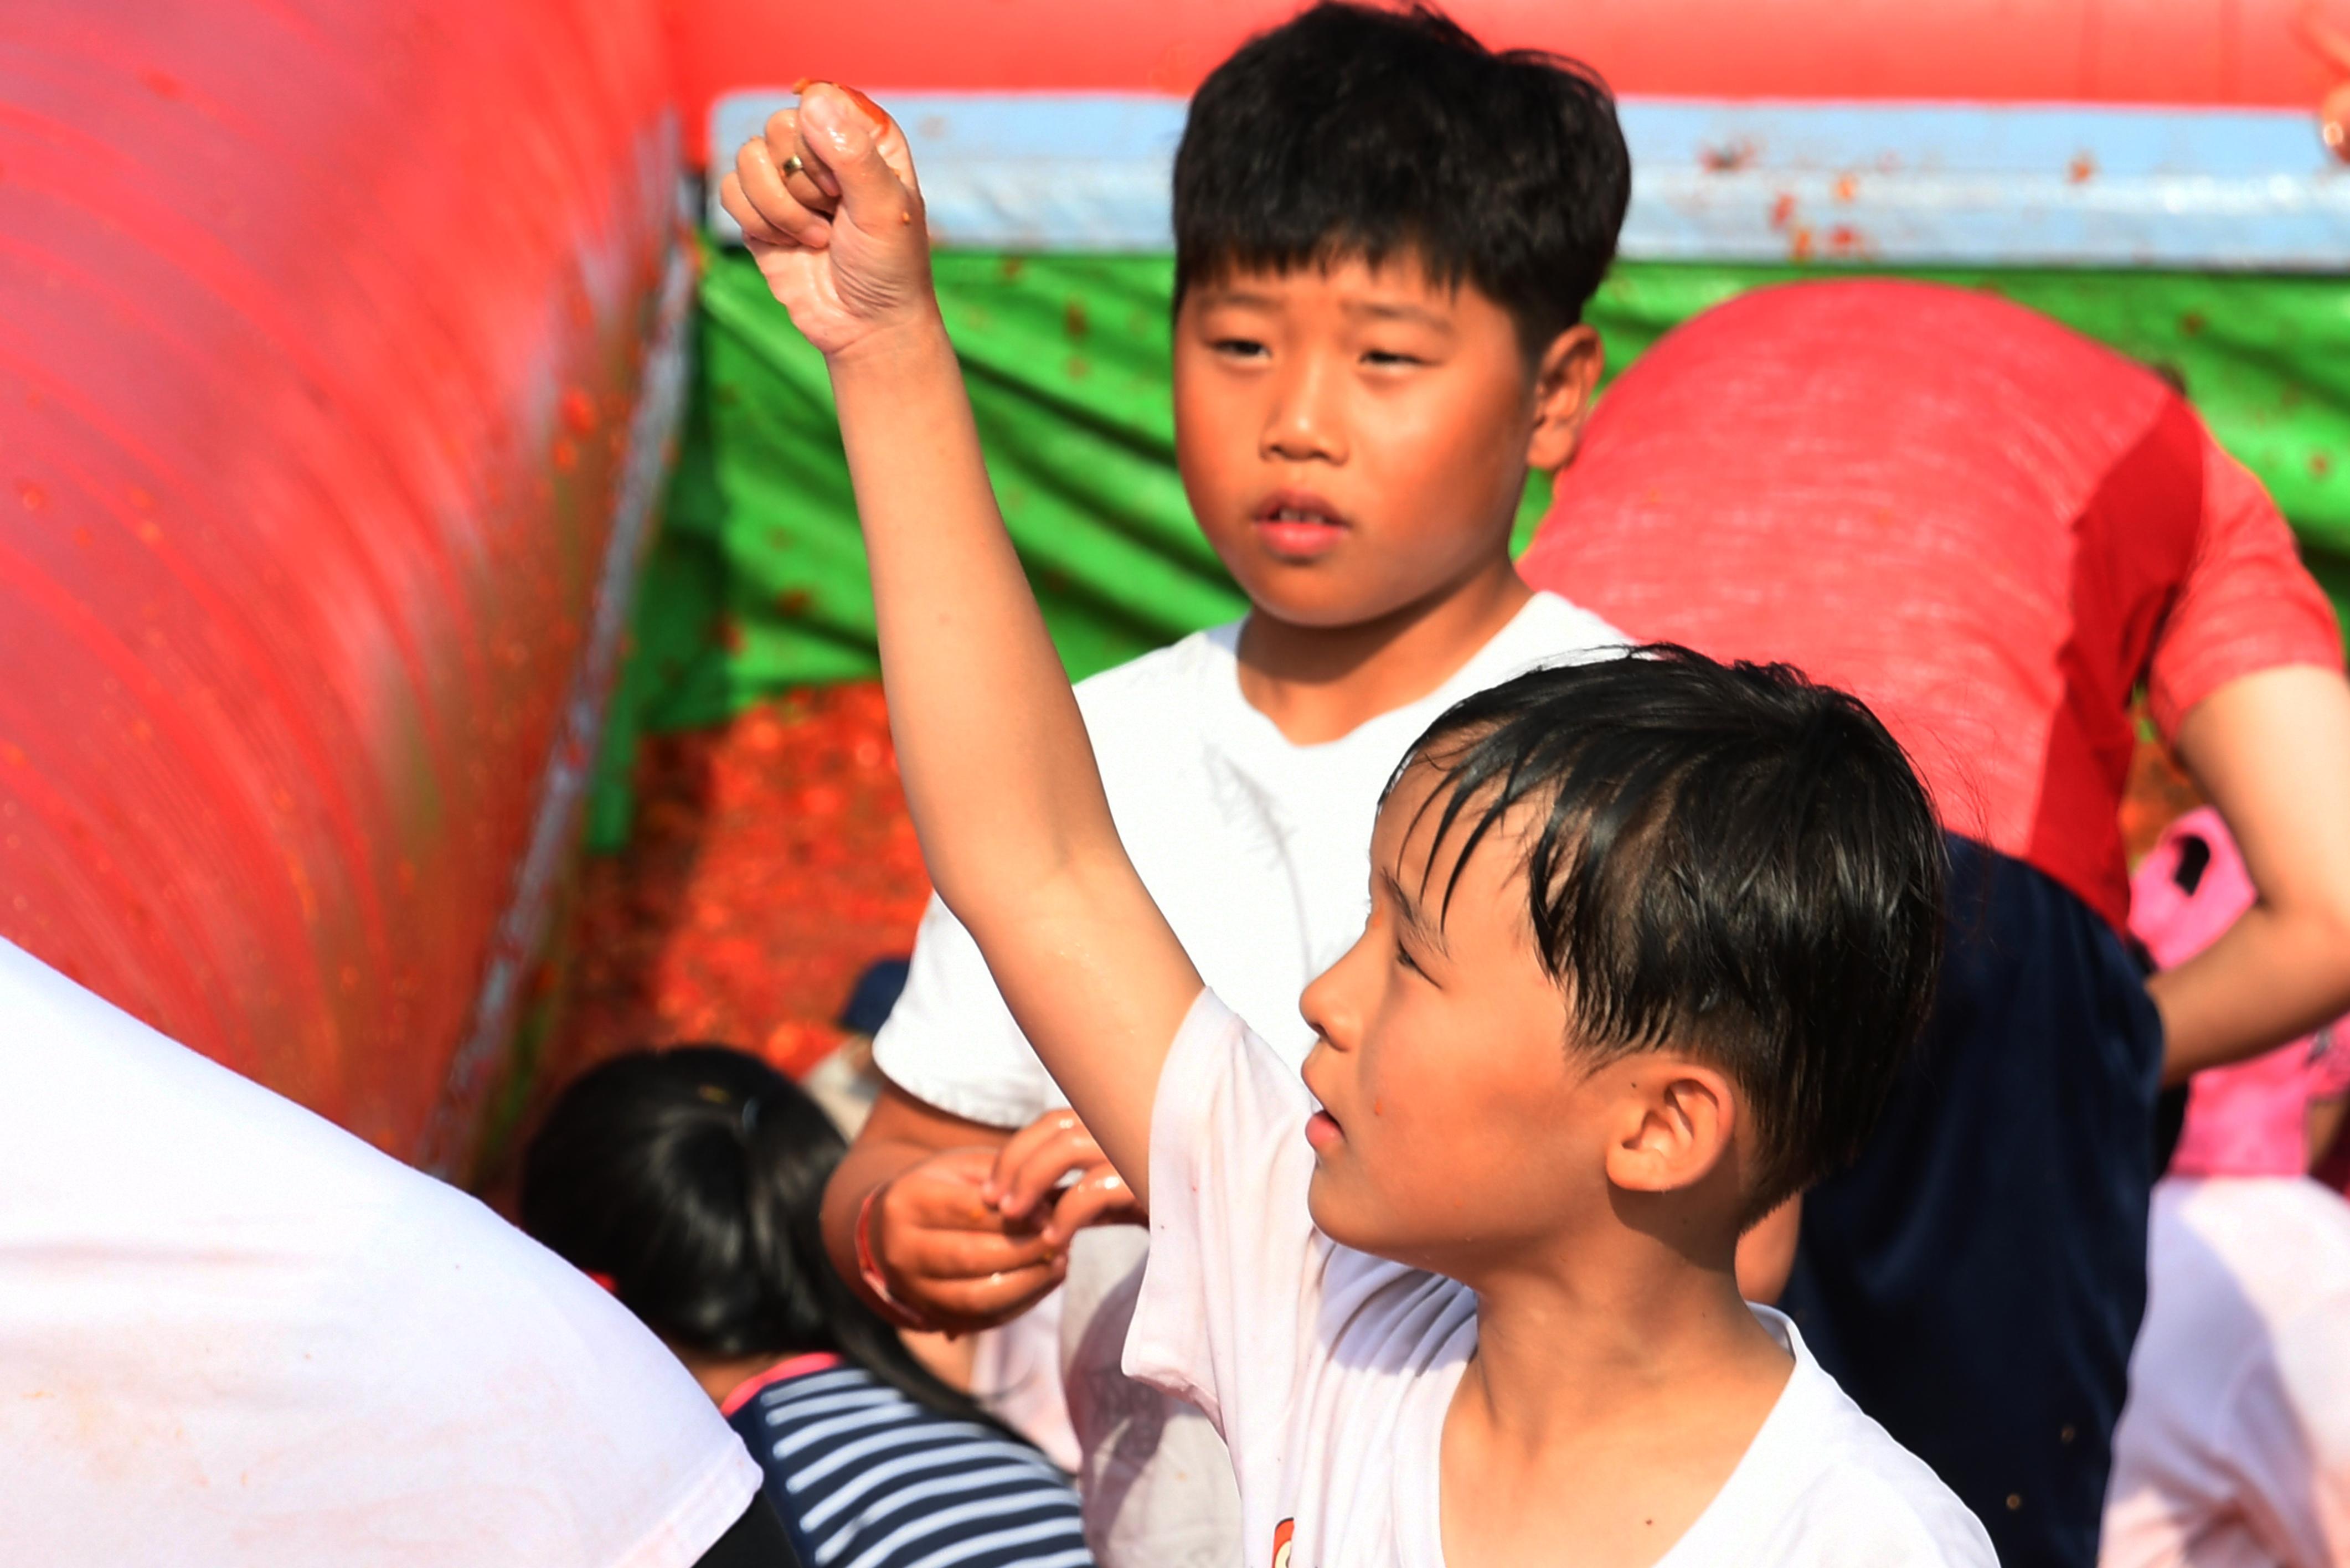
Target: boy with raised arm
(1385, 237)
(1647, 938)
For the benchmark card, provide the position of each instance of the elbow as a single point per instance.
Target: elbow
(1003, 908)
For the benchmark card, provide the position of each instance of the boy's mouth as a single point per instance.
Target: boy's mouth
(1298, 525)
(1322, 1130)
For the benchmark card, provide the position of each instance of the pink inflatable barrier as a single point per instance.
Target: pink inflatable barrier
(337, 343)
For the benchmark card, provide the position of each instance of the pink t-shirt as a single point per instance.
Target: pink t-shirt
(1986, 525)
(2252, 1118)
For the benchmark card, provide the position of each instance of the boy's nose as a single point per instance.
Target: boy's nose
(1329, 1006)
(1303, 425)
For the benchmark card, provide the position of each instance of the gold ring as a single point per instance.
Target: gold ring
(793, 165)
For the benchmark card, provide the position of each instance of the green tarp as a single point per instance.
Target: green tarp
(758, 582)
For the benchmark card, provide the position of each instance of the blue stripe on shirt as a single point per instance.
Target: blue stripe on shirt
(866, 1478)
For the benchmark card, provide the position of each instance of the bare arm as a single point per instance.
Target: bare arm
(999, 775)
(2271, 752)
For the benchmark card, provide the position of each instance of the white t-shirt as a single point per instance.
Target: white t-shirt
(1329, 1371)
(232, 1335)
(2234, 1448)
(1258, 849)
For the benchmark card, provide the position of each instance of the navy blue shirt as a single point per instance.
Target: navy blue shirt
(866, 1478)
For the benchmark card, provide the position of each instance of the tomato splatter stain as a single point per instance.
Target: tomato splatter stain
(1726, 159)
(771, 861)
(579, 411)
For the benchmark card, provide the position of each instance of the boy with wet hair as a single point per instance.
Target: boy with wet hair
(1385, 237)
(1995, 531)
(1646, 939)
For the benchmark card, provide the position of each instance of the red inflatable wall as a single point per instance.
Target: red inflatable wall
(2236, 52)
(321, 327)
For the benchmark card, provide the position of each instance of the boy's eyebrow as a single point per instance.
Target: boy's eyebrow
(1244, 298)
(1408, 912)
(1378, 310)
(1398, 310)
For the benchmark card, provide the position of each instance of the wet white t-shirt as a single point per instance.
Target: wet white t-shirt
(1258, 849)
(1329, 1371)
(232, 1335)
(2234, 1448)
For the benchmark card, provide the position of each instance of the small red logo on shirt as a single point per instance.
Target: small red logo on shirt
(1280, 1534)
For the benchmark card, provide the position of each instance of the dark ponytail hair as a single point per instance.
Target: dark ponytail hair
(690, 1179)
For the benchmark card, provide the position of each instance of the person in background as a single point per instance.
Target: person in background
(1994, 531)
(1385, 237)
(2234, 1448)
(686, 1181)
(234, 1335)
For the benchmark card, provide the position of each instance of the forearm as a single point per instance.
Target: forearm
(2271, 752)
(998, 774)
(2271, 978)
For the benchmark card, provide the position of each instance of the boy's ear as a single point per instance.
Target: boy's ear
(1674, 1126)
(1566, 379)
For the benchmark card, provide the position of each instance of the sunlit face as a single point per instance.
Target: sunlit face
(1458, 1124)
(1354, 441)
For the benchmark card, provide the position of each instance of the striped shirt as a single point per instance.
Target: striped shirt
(865, 1478)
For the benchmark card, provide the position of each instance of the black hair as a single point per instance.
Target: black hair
(691, 1179)
(1723, 857)
(1359, 131)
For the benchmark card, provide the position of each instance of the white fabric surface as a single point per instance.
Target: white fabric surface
(232, 1335)
(2234, 1448)
(1258, 851)
(1329, 1372)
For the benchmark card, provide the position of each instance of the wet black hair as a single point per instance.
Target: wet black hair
(690, 1178)
(1723, 858)
(1359, 131)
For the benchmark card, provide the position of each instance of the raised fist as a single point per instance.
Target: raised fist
(828, 204)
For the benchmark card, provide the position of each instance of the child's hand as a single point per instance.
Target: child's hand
(828, 204)
(1033, 1164)
(950, 1254)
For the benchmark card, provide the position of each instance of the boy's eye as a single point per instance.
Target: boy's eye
(1239, 347)
(1389, 357)
(1403, 959)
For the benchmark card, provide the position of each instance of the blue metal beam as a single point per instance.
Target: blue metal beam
(1904, 184)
